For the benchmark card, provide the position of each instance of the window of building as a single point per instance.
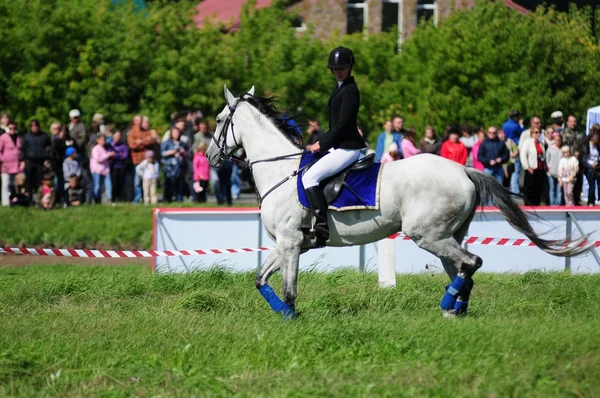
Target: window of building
(357, 15)
(391, 18)
(427, 11)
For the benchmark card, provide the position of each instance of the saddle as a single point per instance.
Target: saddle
(332, 186)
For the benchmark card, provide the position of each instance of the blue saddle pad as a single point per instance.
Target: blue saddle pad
(365, 183)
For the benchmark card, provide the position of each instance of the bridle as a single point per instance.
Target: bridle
(221, 143)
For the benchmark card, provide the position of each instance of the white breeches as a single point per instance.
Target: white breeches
(330, 164)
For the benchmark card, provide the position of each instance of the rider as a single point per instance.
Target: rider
(343, 140)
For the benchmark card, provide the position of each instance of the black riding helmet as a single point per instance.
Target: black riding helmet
(341, 57)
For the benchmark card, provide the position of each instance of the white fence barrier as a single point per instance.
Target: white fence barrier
(184, 229)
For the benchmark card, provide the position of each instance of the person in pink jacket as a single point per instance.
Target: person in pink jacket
(409, 147)
(10, 150)
(100, 169)
(201, 173)
(475, 150)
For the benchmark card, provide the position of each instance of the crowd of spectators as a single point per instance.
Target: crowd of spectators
(77, 164)
(546, 165)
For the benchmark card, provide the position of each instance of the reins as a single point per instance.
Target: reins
(221, 143)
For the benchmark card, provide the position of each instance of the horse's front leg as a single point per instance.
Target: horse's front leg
(269, 267)
(290, 262)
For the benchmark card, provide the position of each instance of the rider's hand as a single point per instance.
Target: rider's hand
(316, 147)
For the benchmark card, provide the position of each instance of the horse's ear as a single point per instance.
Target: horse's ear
(251, 91)
(228, 96)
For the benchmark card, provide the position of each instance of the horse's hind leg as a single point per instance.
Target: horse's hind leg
(460, 265)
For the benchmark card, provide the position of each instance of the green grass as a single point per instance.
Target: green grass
(121, 331)
(125, 226)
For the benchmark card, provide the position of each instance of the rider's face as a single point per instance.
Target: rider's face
(341, 74)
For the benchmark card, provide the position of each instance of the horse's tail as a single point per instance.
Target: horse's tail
(488, 189)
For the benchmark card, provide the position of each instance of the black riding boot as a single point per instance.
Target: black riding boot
(319, 206)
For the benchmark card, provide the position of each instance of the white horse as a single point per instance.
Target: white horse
(429, 198)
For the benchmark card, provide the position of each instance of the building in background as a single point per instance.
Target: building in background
(345, 16)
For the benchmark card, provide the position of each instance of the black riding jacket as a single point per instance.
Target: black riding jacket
(343, 113)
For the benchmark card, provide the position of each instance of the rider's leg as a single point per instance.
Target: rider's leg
(330, 164)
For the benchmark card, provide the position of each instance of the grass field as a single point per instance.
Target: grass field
(121, 331)
(125, 226)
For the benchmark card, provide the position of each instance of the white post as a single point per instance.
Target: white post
(387, 263)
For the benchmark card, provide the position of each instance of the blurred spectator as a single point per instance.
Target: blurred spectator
(549, 136)
(591, 159)
(576, 140)
(430, 143)
(513, 129)
(174, 154)
(100, 160)
(409, 144)
(59, 142)
(180, 124)
(386, 138)
(526, 134)
(453, 149)
(475, 150)
(149, 172)
(139, 141)
(533, 161)
(4, 120)
(492, 154)
(201, 173)
(75, 195)
(98, 118)
(568, 169)
(314, 131)
(553, 156)
(398, 125)
(10, 151)
(18, 192)
(118, 167)
(392, 154)
(109, 132)
(35, 152)
(93, 134)
(468, 141)
(557, 121)
(46, 193)
(203, 136)
(71, 165)
(77, 131)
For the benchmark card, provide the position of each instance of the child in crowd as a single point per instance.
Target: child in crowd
(75, 194)
(46, 193)
(568, 167)
(71, 165)
(149, 171)
(18, 191)
(392, 154)
(409, 143)
(553, 156)
(100, 169)
(201, 172)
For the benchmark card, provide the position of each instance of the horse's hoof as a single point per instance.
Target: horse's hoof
(449, 314)
(289, 314)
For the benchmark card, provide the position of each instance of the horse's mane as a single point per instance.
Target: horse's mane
(266, 106)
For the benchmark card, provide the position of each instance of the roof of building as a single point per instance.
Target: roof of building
(224, 11)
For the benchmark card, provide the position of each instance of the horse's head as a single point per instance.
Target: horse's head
(225, 140)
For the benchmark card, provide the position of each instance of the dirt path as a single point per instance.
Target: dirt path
(12, 260)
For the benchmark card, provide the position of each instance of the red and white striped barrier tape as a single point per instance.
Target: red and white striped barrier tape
(87, 253)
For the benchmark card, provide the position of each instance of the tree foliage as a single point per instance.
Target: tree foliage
(110, 58)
